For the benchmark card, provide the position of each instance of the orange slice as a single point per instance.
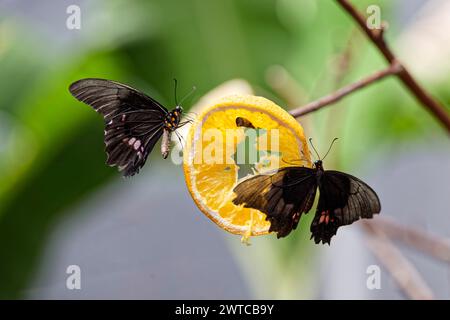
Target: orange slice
(212, 167)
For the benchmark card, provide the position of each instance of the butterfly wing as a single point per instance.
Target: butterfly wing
(283, 196)
(133, 121)
(343, 200)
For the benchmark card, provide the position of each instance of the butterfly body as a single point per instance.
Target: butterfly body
(171, 123)
(285, 194)
(172, 118)
(134, 122)
(318, 166)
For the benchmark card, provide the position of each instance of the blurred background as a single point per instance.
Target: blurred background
(143, 238)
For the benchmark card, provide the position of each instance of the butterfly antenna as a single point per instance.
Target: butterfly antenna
(175, 90)
(332, 142)
(310, 142)
(186, 96)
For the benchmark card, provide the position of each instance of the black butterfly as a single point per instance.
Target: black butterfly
(283, 195)
(134, 122)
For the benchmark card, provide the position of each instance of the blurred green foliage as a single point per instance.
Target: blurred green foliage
(51, 153)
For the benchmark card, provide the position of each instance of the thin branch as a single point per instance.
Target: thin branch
(433, 106)
(402, 271)
(423, 241)
(395, 68)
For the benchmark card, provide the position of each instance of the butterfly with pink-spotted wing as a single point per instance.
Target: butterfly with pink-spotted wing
(134, 122)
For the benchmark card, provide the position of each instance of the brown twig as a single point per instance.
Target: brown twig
(395, 68)
(435, 107)
(425, 242)
(402, 271)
